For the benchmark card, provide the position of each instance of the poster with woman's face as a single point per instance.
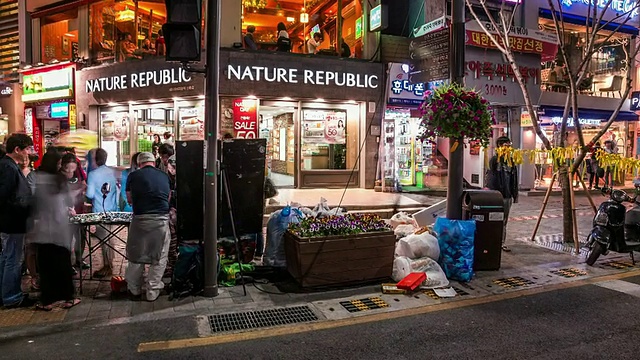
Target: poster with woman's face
(335, 127)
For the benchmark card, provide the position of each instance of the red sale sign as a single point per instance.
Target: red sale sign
(245, 118)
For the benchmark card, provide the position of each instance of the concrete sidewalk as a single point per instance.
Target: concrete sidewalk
(99, 307)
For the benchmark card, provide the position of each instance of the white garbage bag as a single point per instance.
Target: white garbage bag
(403, 266)
(404, 230)
(401, 218)
(274, 254)
(417, 246)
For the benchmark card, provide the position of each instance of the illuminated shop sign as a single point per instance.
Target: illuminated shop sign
(401, 90)
(618, 6)
(557, 120)
(138, 80)
(375, 18)
(47, 85)
(307, 77)
(5, 89)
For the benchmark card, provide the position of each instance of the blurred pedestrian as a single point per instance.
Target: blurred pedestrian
(53, 235)
(69, 168)
(165, 151)
(15, 209)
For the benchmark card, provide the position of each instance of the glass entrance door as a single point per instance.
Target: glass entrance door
(277, 124)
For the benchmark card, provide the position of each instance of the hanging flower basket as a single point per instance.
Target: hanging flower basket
(456, 113)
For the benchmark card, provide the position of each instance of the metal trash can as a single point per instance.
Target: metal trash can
(486, 207)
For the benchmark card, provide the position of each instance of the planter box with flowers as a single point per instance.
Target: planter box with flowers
(343, 249)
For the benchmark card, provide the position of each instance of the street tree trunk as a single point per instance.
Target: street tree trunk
(567, 213)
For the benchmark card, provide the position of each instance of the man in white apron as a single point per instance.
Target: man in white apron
(148, 191)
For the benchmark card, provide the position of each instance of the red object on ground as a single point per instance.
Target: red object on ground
(118, 284)
(412, 281)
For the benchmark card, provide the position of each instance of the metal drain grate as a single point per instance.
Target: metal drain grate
(620, 265)
(364, 304)
(260, 319)
(555, 242)
(513, 282)
(432, 294)
(569, 272)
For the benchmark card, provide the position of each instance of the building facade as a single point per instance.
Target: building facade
(316, 110)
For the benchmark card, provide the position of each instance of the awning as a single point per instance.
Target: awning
(581, 20)
(603, 115)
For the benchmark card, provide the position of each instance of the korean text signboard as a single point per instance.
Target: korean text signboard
(488, 73)
(430, 56)
(245, 118)
(402, 92)
(521, 40)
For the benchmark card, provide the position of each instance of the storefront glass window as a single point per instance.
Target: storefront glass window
(608, 66)
(324, 139)
(151, 121)
(59, 34)
(191, 121)
(127, 30)
(4, 127)
(320, 15)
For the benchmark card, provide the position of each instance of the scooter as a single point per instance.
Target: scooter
(614, 228)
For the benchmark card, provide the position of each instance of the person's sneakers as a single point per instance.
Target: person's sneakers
(133, 297)
(24, 303)
(505, 248)
(83, 265)
(104, 272)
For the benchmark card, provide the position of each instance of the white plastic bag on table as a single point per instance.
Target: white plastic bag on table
(403, 266)
(404, 230)
(277, 225)
(401, 218)
(417, 246)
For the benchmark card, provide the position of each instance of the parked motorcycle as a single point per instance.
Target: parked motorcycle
(614, 228)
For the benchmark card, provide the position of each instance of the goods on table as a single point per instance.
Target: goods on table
(109, 217)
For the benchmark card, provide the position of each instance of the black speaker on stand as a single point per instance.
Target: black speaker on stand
(190, 190)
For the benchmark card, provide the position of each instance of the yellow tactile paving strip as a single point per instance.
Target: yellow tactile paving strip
(17, 317)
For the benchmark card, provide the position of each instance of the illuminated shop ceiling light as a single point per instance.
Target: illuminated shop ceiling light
(126, 15)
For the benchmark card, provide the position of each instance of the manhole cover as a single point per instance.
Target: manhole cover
(619, 264)
(513, 282)
(364, 304)
(432, 294)
(569, 272)
(260, 319)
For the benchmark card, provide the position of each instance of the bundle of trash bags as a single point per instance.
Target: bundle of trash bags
(456, 240)
(417, 250)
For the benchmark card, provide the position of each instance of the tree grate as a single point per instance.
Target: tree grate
(620, 265)
(260, 319)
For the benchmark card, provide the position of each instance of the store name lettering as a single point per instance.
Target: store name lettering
(398, 86)
(502, 71)
(318, 77)
(557, 120)
(619, 6)
(138, 80)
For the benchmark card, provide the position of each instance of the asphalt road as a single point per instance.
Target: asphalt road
(585, 322)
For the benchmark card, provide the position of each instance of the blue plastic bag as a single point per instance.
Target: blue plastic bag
(456, 238)
(274, 254)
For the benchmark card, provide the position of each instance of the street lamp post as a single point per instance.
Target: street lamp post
(212, 48)
(456, 76)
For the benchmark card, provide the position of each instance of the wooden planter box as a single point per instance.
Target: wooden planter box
(340, 260)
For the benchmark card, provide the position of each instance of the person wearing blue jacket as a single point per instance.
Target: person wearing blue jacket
(125, 175)
(96, 178)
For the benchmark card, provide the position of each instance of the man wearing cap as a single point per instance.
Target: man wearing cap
(148, 191)
(503, 177)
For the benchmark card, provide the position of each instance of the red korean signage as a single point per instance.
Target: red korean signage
(521, 40)
(245, 118)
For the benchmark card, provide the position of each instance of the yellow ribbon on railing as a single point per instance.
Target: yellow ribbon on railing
(561, 155)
